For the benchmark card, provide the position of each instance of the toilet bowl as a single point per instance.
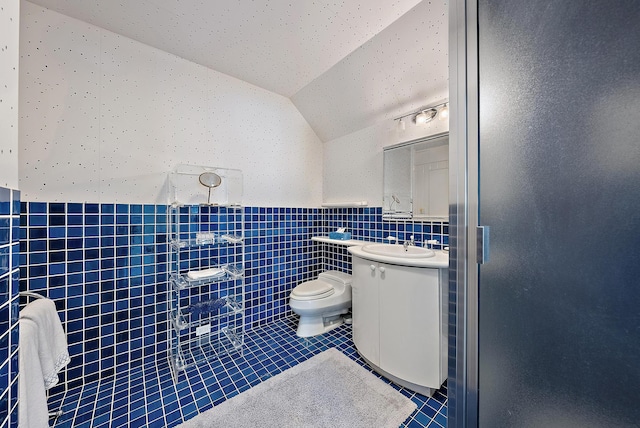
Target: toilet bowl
(321, 302)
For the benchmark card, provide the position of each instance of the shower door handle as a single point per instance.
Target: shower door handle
(482, 248)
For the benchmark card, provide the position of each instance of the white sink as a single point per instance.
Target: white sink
(396, 250)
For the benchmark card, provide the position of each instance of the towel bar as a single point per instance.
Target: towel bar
(30, 294)
(55, 415)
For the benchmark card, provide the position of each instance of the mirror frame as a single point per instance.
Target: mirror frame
(404, 214)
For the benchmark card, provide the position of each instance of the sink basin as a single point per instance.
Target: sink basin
(395, 250)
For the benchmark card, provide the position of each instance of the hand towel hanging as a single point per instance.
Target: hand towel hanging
(52, 342)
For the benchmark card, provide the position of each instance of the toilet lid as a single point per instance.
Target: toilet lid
(315, 289)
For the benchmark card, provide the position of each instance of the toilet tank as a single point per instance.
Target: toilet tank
(339, 280)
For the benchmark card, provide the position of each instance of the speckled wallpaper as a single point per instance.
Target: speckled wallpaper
(9, 212)
(9, 34)
(104, 118)
(356, 159)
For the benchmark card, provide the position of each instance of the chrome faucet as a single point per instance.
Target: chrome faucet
(409, 242)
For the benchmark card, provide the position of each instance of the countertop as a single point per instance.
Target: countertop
(345, 242)
(439, 261)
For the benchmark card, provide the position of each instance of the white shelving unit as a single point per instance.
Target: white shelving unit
(206, 314)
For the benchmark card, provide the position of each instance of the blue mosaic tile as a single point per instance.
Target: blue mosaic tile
(10, 258)
(112, 258)
(16, 203)
(37, 207)
(6, 201)
(121, 401)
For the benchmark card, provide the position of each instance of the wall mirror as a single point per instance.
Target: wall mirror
(416, 179)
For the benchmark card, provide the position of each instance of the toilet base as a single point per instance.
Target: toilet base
(313, 326)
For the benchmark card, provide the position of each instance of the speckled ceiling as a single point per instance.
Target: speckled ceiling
(384, 52)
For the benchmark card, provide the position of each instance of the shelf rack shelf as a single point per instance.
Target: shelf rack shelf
(192, 351)
(204, 239)
(186, 319)
(206, 270)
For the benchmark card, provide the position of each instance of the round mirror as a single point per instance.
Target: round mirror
(210, 180)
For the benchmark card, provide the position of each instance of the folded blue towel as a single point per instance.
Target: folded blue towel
(206, 306)
(343, 236)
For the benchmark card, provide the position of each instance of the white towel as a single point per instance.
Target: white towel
(52, 342)
(32, 412)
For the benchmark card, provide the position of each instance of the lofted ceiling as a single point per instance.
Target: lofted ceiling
(345, 64)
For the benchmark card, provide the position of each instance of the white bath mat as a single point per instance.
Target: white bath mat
(328, 390)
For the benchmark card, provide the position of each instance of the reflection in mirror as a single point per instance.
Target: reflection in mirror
(416, 179)
(397, 199)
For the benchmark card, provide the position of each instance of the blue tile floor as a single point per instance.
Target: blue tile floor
(149, 397)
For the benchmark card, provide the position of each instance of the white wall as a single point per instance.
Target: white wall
(9, 58)
(353, 163)
(103, 118)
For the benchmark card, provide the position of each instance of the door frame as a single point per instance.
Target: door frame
(463, 214)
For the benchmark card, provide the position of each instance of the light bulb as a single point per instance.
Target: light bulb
(444, 112)
(401, 125)
(421, 118)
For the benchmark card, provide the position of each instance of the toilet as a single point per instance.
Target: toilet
(321, 302)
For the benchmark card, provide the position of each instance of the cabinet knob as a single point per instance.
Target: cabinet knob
(373, 267)
(382, 269)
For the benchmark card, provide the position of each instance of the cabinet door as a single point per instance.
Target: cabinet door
(365, 301)
(410, 324)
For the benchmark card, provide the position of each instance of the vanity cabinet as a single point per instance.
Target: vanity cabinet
(399, 322)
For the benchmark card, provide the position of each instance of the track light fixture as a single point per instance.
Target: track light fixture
(424, 115)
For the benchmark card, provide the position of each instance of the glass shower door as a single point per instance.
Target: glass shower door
(559, 173)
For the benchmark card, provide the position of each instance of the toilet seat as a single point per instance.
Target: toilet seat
(312, 290)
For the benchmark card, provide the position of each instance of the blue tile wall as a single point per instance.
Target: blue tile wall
(9, 301)
(279, 255)
(367, 224)
(106, 267)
